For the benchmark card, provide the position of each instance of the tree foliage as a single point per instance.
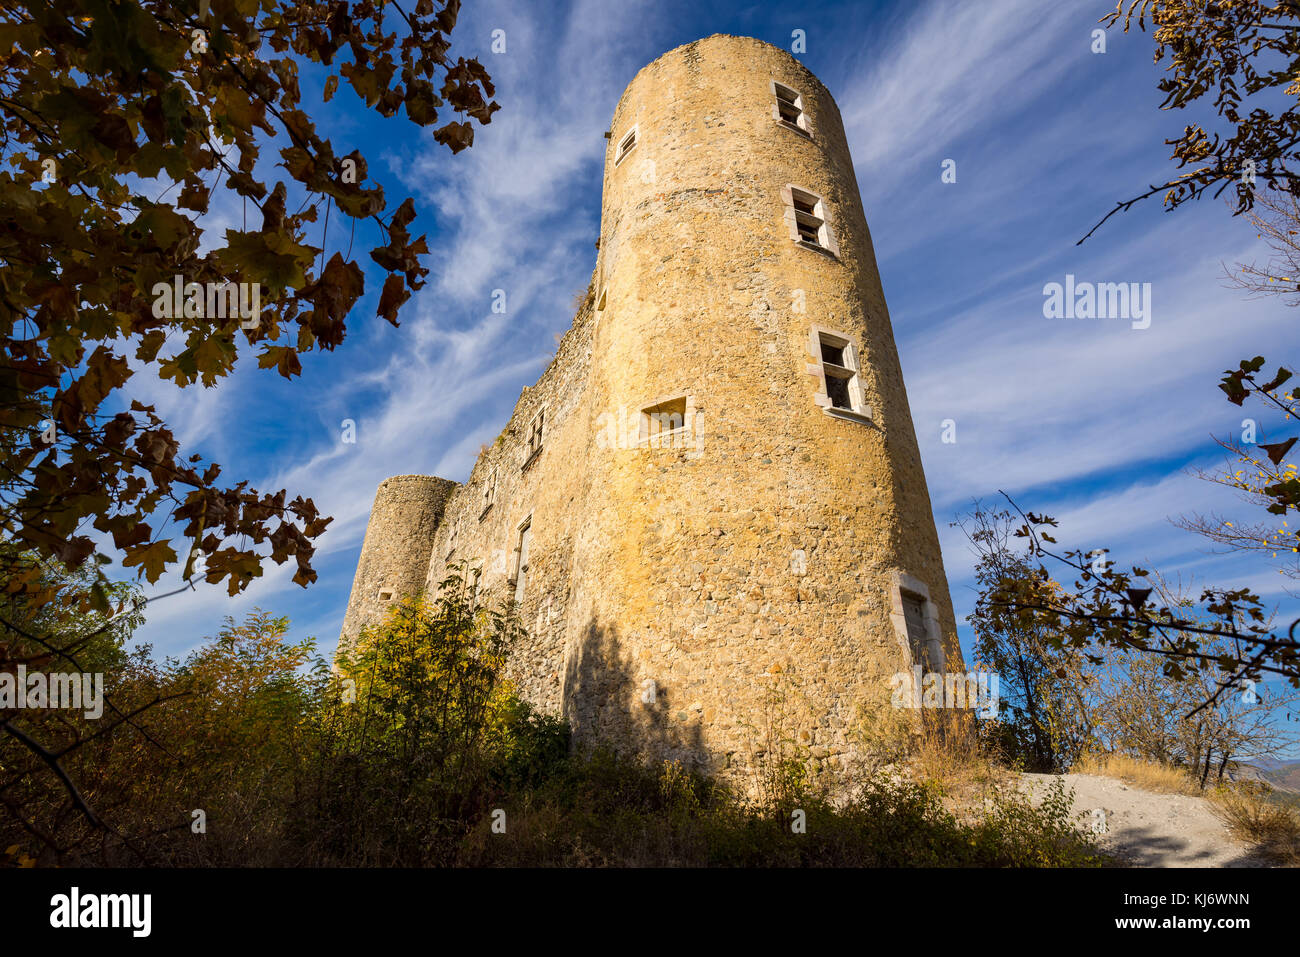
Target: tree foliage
(1264, 474)
(221, 733)
(1042, 719)
(1069, 688)
(1241, 58)
(423, 730)
(1276, 216)
(122, 123)
(1227, 630)
(388, 758)
(1137, 709)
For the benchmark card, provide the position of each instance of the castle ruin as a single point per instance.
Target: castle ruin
(715, 485)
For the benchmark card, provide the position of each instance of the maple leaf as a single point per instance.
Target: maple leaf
(153, 558)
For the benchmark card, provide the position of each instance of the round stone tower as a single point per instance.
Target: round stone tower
(758, 546)
(395, 554)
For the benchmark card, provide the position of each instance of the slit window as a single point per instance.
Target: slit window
(535, 434)
(521, 559)
(916, 622)
(625, 146)
(806, 219)
(917, 633)
(489, 491)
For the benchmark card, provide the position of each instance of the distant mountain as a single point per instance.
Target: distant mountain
(1281, 774)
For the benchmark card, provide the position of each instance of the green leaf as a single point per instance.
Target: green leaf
(272, 259)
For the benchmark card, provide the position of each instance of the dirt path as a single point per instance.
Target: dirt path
(1148, 829)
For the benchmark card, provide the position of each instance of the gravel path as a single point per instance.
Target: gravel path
(1148, 829)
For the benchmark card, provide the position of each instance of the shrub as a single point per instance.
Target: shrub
(1247, 810)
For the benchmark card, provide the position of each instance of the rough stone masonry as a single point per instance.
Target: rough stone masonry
(714, 492)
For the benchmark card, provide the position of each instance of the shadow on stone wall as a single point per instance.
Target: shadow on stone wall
(606, 700)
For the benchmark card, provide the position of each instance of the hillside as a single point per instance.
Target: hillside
(1281, 774)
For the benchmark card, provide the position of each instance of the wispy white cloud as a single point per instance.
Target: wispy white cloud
(1089, 420)
(518, 212)
(951, 69)
(1039, 400)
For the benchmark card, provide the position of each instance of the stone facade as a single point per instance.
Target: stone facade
(728, 491)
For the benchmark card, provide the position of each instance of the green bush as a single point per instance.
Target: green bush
(607, 810)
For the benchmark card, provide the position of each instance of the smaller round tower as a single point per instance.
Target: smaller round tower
(395, 554)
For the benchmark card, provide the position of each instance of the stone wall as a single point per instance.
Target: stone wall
(550, 490)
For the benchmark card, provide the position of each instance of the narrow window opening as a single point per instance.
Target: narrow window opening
(489, 492)
(839, 372)
(918, 637)
(807, 217)
(625, 146)
(521, 559)
(789, 108)
(535, 430)
(386, 595)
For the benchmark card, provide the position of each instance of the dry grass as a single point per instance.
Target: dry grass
(946, 751)
(936, 746)
(1247, 812)
(1147, 775)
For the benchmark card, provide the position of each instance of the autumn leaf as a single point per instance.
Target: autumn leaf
(392, 297)
(152, 559)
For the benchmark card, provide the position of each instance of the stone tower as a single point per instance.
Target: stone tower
(714, 492)
(399, 539)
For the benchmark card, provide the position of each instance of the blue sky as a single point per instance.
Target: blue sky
(1091, 421)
